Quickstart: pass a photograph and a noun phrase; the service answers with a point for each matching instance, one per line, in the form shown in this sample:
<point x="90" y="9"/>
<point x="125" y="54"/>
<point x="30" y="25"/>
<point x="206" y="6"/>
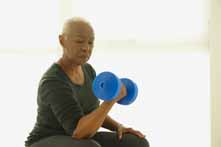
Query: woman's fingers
<point x="137" y="133"/>
<point x="122" y="130"/>
<point x="140" y="134"/>
<point x="120" y="133"/>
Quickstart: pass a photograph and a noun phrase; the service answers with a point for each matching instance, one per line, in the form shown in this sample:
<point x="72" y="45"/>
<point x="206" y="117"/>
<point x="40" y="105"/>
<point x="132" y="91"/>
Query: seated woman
<point x="69" y="115"/>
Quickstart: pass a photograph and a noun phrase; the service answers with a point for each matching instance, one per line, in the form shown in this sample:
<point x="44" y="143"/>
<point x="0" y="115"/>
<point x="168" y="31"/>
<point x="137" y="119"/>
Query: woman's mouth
<point x="84" y="56"/>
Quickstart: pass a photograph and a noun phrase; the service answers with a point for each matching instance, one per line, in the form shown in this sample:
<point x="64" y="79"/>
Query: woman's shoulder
<point x="53" y="75"/>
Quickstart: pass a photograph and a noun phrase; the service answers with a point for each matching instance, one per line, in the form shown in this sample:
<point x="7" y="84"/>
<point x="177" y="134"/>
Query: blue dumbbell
<point x="106" y="86"/>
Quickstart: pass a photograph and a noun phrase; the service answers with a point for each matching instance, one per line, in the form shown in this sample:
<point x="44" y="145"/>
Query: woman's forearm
<point x="110" y="124"/>
<point x="89" y="124"/>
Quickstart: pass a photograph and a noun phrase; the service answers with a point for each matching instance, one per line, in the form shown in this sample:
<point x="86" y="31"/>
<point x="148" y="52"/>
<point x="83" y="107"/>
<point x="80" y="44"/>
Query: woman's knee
<point x="133" y="140"/>
<point x="144" y="142"/>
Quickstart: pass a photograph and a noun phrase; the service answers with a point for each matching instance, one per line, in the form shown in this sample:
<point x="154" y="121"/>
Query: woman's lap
<point x="110" y="139"/>
<point x="65" y="141"/>
<point x="100" y="139"/>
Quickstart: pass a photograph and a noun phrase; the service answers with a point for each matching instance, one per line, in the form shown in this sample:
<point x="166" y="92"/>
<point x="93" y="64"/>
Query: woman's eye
<point x="79" y="41"/>
<point x="90" y="42"/>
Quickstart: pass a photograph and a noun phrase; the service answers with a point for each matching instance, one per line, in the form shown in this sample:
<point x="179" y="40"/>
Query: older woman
<point x="69" y="115"/>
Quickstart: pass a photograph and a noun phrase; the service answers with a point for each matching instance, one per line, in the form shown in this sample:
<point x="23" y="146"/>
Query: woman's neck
<point x="68" y="66"/>
<point x="74" y="72"/>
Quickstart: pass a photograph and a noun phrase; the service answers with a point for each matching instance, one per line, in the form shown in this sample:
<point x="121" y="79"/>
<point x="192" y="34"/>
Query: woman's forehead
<point x="81" y="30"/>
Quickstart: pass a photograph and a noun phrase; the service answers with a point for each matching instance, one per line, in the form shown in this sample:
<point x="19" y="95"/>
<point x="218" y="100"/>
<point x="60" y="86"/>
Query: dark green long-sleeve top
<point x="61" y="103"/>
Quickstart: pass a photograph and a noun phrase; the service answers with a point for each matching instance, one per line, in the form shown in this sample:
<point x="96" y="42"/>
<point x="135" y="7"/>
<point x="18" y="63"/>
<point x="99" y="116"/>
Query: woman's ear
<point x="61" y="40"/>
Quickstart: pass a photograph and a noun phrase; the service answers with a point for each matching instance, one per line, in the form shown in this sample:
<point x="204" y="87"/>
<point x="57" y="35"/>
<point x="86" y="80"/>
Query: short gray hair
<point x="69" y="22"/>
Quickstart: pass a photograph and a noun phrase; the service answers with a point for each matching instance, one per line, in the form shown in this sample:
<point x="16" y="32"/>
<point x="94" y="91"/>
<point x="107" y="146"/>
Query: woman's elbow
<point x="79" y="135"/>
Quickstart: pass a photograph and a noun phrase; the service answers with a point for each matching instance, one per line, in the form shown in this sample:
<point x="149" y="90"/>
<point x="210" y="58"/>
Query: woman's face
<point x="78" y="43"/>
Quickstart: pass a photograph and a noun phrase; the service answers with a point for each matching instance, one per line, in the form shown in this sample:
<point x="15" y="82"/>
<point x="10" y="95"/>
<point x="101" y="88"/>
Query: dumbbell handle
<point x="132" y="92"/>
<point x="122" y="94"/>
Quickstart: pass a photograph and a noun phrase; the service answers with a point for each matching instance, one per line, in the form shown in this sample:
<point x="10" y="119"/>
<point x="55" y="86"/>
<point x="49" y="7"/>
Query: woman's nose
<point x="86" y="47"/>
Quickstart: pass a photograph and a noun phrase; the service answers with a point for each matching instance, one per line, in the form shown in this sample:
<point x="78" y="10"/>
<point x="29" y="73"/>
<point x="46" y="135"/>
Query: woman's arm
<point x="89" y="124"/>
<point x="110" y="124"/>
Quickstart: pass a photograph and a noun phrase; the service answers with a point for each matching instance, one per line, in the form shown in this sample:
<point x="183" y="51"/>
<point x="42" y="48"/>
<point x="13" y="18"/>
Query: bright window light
<point x="29" y="24"/>
<point x="152" y="21"/>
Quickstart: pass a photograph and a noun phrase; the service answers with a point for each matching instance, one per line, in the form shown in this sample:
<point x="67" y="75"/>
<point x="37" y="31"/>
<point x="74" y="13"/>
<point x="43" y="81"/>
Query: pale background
<point x="169" y="48"/>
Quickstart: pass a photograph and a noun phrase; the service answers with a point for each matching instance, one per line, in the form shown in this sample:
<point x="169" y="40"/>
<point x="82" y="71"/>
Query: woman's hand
<point x="121" y="130"/>
<point x="123" y="93"/>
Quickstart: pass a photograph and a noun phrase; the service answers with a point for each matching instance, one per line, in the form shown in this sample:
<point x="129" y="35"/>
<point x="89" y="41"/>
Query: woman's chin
<point x="83" y="61"/>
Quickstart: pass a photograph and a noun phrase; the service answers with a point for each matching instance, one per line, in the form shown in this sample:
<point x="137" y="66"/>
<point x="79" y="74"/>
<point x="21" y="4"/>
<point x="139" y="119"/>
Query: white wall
<point x="215" y="51"/>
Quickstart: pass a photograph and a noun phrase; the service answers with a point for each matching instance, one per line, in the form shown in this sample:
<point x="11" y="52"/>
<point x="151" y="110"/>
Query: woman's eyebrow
<point x="82" y="37"/>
